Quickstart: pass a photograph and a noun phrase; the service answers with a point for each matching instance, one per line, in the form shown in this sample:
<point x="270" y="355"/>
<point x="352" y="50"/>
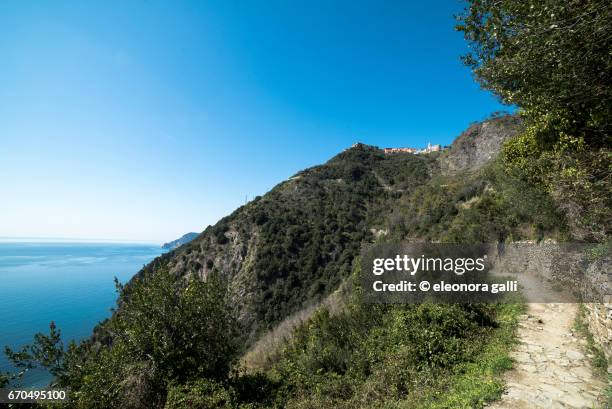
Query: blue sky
<point x="144" y="120"/>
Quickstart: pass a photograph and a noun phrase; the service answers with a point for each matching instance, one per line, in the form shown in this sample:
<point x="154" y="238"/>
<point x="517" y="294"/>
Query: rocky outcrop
<point x="478" y="144"/>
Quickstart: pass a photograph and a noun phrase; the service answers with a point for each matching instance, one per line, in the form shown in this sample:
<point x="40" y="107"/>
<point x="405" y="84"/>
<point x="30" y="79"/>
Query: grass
<point x="599" y="361"/>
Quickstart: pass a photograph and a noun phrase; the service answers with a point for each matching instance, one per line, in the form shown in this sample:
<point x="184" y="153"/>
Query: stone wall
<point x="568" y="267"/>
<point x="599" y="315"/>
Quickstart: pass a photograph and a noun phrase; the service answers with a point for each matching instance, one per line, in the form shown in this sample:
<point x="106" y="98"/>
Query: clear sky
<point x="144" y="120"/>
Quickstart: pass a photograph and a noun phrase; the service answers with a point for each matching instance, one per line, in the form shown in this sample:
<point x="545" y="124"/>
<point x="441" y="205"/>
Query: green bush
<point x="439" y="336"/>
<point x="185" y="328"/>
<point x="371" y="354"/>
<point x="164" y="332"/>
<point x="200" y="394"/>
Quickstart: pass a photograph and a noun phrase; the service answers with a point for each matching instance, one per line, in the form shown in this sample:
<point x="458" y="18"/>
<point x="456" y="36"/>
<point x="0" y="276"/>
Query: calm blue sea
<point x="69" y="283"/>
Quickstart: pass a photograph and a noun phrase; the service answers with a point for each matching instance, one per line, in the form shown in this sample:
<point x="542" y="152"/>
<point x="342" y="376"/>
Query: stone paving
<point x="551" y="367"/>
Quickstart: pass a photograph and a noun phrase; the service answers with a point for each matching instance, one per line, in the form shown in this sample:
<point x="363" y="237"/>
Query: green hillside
<point x="289" y="248"/>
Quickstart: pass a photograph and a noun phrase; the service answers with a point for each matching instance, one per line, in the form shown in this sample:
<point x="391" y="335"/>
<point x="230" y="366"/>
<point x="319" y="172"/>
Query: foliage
<point x="486" y="206"/>
<point x="363" y="356"/>
<point x="315" y="224"/>
<point x="185" y="330"/>
<point x="599" y="251"/>
<point x="47" y="351"/>
<point x="576" y="176"/>
<point x="479" y="381"/>
<point x="552" y="59"/>
<point x="296" y="244"/>
<point x="164" y="331"/>
<point x="173" y="338"/>
<point x="200" y="394"/>
<point x="549" y="57"/>
<point x="378" y="356"/>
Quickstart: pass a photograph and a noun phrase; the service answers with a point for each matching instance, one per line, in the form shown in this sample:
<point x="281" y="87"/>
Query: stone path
<point x="551" y="369"/>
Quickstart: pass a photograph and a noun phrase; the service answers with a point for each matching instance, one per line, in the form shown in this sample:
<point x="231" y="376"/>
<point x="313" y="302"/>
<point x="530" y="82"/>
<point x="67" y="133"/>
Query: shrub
<point x="200" y="394"/>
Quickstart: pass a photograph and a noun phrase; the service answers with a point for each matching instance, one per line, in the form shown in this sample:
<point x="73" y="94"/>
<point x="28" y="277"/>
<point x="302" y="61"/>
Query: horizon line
<point x="47" y="239"/>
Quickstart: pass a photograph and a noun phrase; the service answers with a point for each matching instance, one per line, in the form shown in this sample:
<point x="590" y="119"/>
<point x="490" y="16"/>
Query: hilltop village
<point x="430" y="148"/>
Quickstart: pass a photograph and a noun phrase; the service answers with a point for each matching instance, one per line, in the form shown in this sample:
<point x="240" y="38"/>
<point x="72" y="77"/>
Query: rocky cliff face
<point x="478" y="144"/>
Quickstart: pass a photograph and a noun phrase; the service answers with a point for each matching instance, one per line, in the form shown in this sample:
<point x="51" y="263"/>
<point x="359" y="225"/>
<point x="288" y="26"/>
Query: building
<point x="430" y="148"/>
<point x="398" y="150"/>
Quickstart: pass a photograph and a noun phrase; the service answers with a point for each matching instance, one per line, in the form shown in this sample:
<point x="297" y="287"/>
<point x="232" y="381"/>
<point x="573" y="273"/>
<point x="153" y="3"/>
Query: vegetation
<point x="599" y="360"/>
<point x="295" y="245"/>
<point x="173" y="340"/>
<point x="487" y="206"/>
<point x="552" y="59"/>
<point x="164" y="332"/>
<point x="321" y="235"/>
<point x="398" y="356"/>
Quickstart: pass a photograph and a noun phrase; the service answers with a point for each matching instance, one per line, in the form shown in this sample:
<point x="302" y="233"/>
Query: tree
<point x="549" y="57"/>
<point x="47" y="352"/>
<point x="552" y="58"/>
<point x="166" y="330"/>
<point x="186" y="328"/>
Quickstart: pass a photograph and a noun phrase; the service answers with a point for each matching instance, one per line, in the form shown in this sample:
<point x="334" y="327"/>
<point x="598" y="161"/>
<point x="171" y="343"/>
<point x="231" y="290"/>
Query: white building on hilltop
<point x="430" y="148"/>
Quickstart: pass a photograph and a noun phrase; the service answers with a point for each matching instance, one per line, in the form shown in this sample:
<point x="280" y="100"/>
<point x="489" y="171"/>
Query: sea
<point x="69" y="283"/>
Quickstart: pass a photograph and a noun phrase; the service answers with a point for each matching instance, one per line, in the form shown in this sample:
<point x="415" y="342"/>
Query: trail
<point x="552" y="369"/>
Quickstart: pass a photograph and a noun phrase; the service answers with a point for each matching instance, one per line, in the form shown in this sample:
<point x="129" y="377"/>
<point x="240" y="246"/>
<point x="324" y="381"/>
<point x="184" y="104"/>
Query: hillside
<point x="289" y="248"/>
<point x="297" y="242"/>
<point x="479" y="143"/>
<point x="183" y="322"/>
<point x="185" y="238"/>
